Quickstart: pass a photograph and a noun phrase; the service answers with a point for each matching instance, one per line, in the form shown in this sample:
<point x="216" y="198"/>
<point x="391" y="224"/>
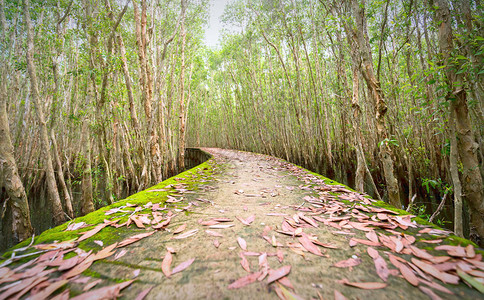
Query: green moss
<point x="109" y="234"/>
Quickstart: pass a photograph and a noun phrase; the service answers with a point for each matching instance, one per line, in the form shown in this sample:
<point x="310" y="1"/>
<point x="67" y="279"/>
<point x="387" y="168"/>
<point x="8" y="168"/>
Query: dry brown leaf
<point x="213" y="233"/>
<point x="107" y="292"/>
<point x="135" y="238"/>
<point x="186" y="234"/>
<point x="429" y="293"/>
<point x="308" y="245"/>
<point x="380" y="264"/>
<point x="242" y="243"/>
<point x="220" y="226"/>
<point x="143" y="294"/>
<point x="90" y="285"/>
<point x="429" y="269"/>
<point x="166" y="264"/>
<point x="180" y="228"/>
<point x="45" y="293"/>
<point x="182" y="266"/>
<point x="244" y="262"/>
<point x="69" y="263"/>
<point x="279" y="273"/>
<point x="348" y="263"/>
<point x="243" y="281"/>
<point x="90" y="233"/>
<point x="364" y="285"/>
<point x="406" y="272"/>
<point x="372" y="236"/>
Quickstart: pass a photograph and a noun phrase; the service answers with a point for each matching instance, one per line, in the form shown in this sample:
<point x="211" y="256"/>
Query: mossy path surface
<point x="249" y="226"/>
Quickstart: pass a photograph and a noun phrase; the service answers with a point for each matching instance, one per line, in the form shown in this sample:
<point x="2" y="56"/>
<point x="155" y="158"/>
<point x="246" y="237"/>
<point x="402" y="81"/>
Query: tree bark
<point x="87" y="205"/>
<point x="54" y="199"/>
<point x="466" y="145"/>
<point x="181" y="140"/>
<point x="10" y="179"/>
<point x="377" y="96"/>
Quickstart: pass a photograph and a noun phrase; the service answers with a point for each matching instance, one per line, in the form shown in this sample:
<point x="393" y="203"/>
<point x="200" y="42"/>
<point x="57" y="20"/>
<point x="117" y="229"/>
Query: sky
<point x="214" y="27"/>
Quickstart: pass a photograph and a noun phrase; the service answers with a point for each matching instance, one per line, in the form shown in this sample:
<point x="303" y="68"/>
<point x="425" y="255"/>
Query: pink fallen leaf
<point x="280" y="255"/>
<point x="186" y="234"/>
<point x="348" y="263"/>
<point x="284" y="293"/>
<point x="286" y="282"/>
<point x="166" y="264"/>
<point x="338" y="295"/>
<point x="364" y="242"/>
<point x="216" y="243"/>
<point x="92" y="232"/>
<point x="143" y="293"/>
<point x="380" y="264"/>
<point x="69" y="263"/>
<point x="45" y="293"/>
<point x="279" y="273"/>
<point x="135" y="238"/>
<point x="180" y="228"/>
<point x="430" y="293"/>
<point x="429" y="269"/>
<point x="213" y="233"/>
<point x="242" y="243"/>
<point x="90" y="285"/>
<point x="220" y="226"/>
<point x="247" y="221"/>
<point x="364" y="285"/>
<point x="244" y="263"/>
<point x="182" y="266"/>
<point x="308" y="245"/>
<point x="243" y="281"/>
<point x="108" y="292"/>
<point x="406" y="272"/>
<point x="120" y="254"/>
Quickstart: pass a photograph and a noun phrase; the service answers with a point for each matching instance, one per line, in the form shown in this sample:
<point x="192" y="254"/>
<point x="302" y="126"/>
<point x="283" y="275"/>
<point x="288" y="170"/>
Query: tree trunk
<point x="181" y="140"/>
<point x="454" y="171"/>
<point x="60" y="176"/>
<point x="466" y="145"/>
<point x="377" y="96"/>
<point x="87" y="205"/>
<point x="9" y="177"/>
<point x="54" y="199"/>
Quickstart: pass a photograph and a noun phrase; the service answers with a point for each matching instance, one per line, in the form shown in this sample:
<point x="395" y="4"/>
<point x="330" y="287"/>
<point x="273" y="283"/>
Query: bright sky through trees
<point x="215" y="25"/>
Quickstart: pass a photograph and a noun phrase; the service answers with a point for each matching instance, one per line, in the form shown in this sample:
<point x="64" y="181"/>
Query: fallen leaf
<point x="277" y="274"/>
<point x="338" y="295"/>
<point x="166" y="264"/>
<point x="136" y="273"/>
<point x="143" y="293"/>
<point x="242" y="243"/>
<point x="120" y="254"/>
<point x="308" y="245"/>
<point x="220" y="226"/>
<point x="244" y="262"/>
<point x="364" y="285"/>
<point x="470" y="252"/>
<point x="186" y="234"/>
<point x="372" y="236"/>
<point x="406" y="272"/>
<point x="180" y="228"/>
<point x="285" y="294"/>
<point x="90" y="233"/>
<point x="69" y="263"/>
<point x="364" y="242"/>
<point x="243" y="281"/>
<point x="431" y="270"/>
<point x="90" y="285"/>
<point x="280" y="255"/>
<point x="45" y="293"/>
<point x="247" y="221"/>
<point x="216" y="243"/>
<point x="135" y="238"/>
<point x="430" y="293"/>
<point x="213" y="233"/>
<point x="76" y="226"/>
<point x="348" y="263"/>
<point x="108" y="292"/>
<point x="285" y="281"/>
<point x="380" y="264"/>
<point x="182" y="266"/>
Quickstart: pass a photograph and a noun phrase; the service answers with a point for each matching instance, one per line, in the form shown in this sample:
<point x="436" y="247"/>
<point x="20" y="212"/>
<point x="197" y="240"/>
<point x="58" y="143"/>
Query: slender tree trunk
<point x="54" y="199"/>
<point x="181" y="141"/>
<point x="466" y="146"/>
<point x="9" y="177"/>
<point x="60" y="176"/>
<point x="454" y="171"/>
<point x="87" y="205"/>
<point x="377" y="96"/>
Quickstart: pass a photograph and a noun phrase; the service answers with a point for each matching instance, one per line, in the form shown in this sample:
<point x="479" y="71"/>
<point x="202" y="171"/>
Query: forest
<point x="100" y="98"/>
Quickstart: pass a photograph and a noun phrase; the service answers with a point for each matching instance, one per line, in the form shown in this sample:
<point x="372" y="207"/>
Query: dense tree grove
<point x="91" y="94"/>
<point x="383" y="95"/>
<point x="99" y="98"/>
